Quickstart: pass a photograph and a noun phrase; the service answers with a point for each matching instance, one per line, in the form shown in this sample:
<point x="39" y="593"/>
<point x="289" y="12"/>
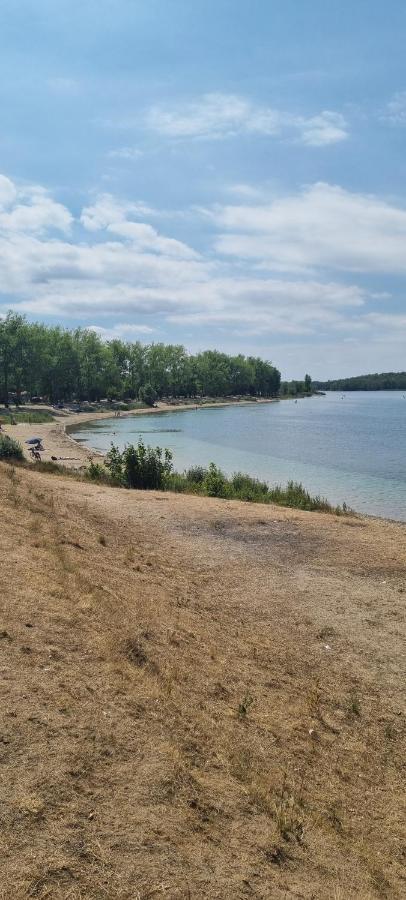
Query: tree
<point x="10" y="338"/>
<point x="59" y="364"/>
<point x="147" y="394"/>
<point x="308" y="384"/>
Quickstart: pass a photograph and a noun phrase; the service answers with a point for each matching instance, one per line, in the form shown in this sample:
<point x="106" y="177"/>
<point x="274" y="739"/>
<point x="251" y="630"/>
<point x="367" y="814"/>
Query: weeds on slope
<point x="147" y="468"/>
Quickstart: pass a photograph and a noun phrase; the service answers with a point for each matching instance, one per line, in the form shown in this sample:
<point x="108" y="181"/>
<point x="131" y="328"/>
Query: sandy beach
<point x="56" y="439"/>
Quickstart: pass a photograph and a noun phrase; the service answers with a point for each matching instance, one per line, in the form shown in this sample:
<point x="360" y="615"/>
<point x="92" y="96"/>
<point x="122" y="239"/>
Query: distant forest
<point x="385" y="381"/>
<point x="49" y="361"/>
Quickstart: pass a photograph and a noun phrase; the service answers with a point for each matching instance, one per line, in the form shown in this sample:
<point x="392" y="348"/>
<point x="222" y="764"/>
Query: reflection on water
<point x="350" y="448"/>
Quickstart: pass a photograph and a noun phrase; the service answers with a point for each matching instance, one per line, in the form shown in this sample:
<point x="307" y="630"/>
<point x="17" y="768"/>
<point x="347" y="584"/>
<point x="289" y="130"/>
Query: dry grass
<point x="204" y="704"/>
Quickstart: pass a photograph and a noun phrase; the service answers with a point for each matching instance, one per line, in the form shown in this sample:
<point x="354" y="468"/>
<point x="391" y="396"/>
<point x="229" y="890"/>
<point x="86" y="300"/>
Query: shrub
<point x="196" y="474"/>
<point x="212" y="482"/>
<point x="180" y="484"/>
<point x="140" y="467"/>
<point x="246" y="488"/>
<point x="99" y="473"/>
<point x="114" y="463"/>
<point x="9" y="448"/>
<point x="295" y="495"/>
<point x="215" y="482"/>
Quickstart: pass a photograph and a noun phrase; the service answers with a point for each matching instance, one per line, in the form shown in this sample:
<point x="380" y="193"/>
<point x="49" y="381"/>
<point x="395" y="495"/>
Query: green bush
<point x="215" y="483"/>
<point x="9" y="448"/>
<point x="196" y="474"/>
<point x="295" y="495"/>
<point x="97" y="472"/>
<point x="140" y="467"/>
<point x="244" y="487"/>
<point x="180" y="484"/>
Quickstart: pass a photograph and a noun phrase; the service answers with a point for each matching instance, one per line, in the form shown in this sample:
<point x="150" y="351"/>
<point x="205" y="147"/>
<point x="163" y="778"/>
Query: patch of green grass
<point x="26" y="417"/>
<point x="212" y="482"/>
<point x="9" y="448"/>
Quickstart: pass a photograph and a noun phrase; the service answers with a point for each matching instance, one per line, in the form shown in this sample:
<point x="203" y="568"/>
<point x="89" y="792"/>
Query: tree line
<point x="61" y="365"/>
<point x="384" y="381"/>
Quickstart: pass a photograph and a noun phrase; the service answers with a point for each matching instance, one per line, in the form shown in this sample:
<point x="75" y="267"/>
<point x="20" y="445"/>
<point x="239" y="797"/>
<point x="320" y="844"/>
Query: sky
<point x="217" y="173"/>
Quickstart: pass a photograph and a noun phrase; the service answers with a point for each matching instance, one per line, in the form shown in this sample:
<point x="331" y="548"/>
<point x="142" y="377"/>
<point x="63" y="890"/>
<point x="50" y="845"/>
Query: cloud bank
<point x="277" y="269"/>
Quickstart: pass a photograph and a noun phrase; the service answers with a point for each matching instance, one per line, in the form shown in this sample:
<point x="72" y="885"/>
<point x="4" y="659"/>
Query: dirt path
<point x="200" y="698"/>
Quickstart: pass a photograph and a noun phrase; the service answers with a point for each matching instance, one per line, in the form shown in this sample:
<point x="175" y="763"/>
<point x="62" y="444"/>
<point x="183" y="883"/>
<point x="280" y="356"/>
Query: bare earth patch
<point x="200" y="698"/>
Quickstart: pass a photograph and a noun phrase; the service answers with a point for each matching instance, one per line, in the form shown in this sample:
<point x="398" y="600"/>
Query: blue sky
<point x="219" y="174"/>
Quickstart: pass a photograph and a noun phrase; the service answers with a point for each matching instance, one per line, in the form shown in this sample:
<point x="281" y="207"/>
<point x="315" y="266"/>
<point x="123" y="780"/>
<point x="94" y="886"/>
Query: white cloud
<point x="30" y="209"/>
<point x="145" y="280"/>
<point x="127" y="153"/>
<point x="121" y="330"/>
<point x="396" y="109"/>
<point x="108" y="213"/>
<point x="273" y="306"/>
<point x="392" y="321"/>
<point x="8" y="192"/>
<point x="323" y="226"/>
<point x="327" y="128"/>
<point x="107" y="209"/>
<point x="226" y="115"/>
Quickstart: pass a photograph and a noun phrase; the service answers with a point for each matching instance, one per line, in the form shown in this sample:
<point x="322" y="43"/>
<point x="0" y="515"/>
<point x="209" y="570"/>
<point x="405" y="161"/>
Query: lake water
<point x="350" y="448"/>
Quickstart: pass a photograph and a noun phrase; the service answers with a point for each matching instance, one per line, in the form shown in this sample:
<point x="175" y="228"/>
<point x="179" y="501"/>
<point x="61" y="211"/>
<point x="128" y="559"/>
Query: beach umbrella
<point x="34" y="441"/>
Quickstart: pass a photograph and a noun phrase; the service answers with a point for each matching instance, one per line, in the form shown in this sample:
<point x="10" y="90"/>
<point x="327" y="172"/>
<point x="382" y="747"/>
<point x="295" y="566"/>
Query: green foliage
<point x="297" y="388"/>
<point x="9" y="448"/>
<point x="114" y="462"/>
<point x="215" y="483"/>
<point x="149" y="468"/>
<point x="56" y="364"/>
<point x="212" y="482"/>
<point x="196" y="474"/>
<point x="246" y="488"/>
<point x="308" y="384"/>
<point x="37" y="417"/>
<point x="140" y="467"/>
<point x="385" y="381"/>
<point x="295" y="495"/>
<point x="148" y="394"/>
<point x="97" y="472"/>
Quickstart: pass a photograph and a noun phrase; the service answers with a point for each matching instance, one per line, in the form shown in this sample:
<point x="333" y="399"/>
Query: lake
<point x="348" y="447"/>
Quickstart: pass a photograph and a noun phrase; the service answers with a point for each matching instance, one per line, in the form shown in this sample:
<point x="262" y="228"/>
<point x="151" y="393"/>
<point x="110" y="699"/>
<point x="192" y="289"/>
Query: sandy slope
<point x="200" y="698"/>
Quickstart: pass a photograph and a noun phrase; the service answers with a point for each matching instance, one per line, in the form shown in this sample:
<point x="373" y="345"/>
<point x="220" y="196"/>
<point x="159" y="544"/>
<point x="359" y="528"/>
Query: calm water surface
<point x="350" y="448"/>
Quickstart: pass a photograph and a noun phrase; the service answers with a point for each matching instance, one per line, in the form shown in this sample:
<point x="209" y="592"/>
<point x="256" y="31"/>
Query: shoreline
<point x="60" y="447"/>
<point x="59" y="443"/>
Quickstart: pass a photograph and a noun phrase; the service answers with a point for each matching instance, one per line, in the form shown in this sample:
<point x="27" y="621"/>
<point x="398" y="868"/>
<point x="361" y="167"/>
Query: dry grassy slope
<point x="133" y="629"/>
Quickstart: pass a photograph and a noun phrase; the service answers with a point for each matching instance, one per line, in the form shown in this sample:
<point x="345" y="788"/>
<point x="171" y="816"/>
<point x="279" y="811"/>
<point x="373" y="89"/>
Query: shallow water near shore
<point x="349" y="448"/>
